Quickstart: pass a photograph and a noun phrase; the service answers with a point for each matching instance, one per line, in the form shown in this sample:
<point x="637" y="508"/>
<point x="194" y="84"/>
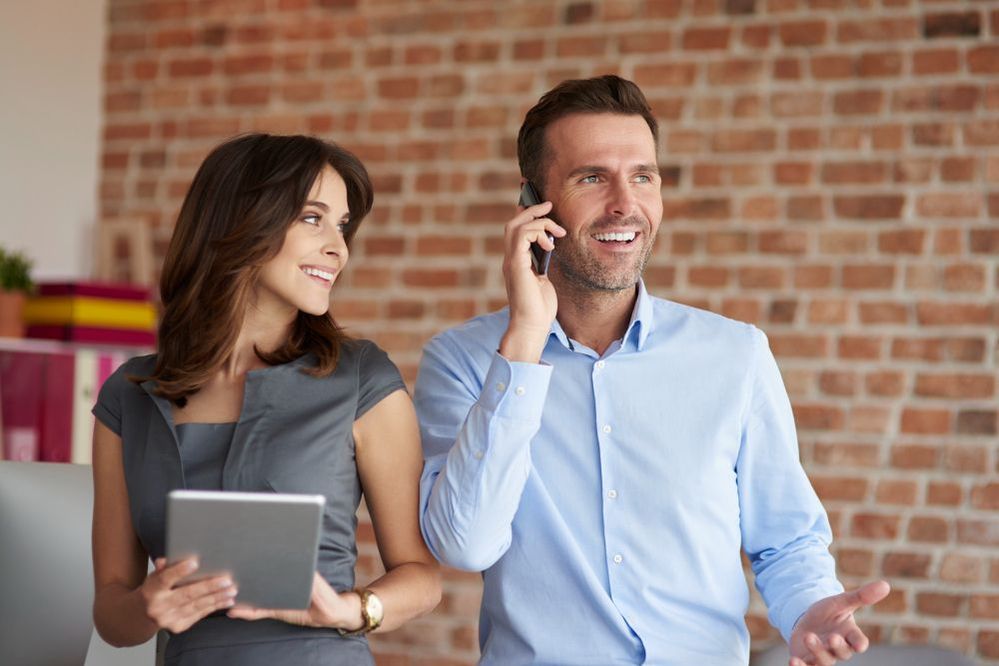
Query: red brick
<point x="883" y="312"/>
<point x="955" y="385"/>
<point x="988" y="643"/>
<point x="855" y="562"/>
<point x="952" y="24"/>
<point x="877" y="30"/>
<point x="868" y="207"/>
<point x="936" y="61"/>
<point x="896" y="492"/>
<point x="818" y="417"/>
<point x="879" y="64"/>
<point x="885" y="383"/>
<point x="940" y="604"/>
<point x="943" y="493"/>
<point x="985" y="606"/>
<point x="956" y="314"/>
<point x="957" y="567"/>
<point x="844" y="242"/>
<point x="868" y="277"/>
<point x="828" y="311"/>
<point x="906" y="565"/>
<point x="813" y="277"/>
<point x="981" y="133"/>
<point x="803" y="33"/>
<point x="832" y="67"/>
<point x="984" y="241"/>
<point x="902" y="241"/>
<point x="859" y="347"/>
<point x="930" y="529"/>
<point x="732" y="141"/>
<point x="701" y="39"/>
<point x="854" y="172"/>
<point x="858" y="102"/>
<point x="979" y="532"/>
<point x="832" y="488"/>
<point x="874" y="526"/>
<point x="977" y="422"/>
<point x="844" y="454"/>
<point x="925" y="421"/>
<point x="949" y="205"/>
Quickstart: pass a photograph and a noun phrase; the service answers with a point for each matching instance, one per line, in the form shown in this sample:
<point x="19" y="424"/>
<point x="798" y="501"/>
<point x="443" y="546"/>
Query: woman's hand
<point x="176" y="607"/>
<point x="326" y="609"/>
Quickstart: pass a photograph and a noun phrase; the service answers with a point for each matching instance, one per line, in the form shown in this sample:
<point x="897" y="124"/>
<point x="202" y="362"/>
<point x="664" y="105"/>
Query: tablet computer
<point x="267" y="542"/>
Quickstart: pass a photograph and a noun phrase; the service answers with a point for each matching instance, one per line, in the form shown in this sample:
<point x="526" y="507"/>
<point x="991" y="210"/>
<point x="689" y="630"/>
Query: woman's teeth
<point x="318" y="273"/>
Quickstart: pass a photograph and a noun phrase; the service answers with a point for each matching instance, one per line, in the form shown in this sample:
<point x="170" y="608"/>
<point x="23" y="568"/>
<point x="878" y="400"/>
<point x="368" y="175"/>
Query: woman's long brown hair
<point x="246" y="194"/>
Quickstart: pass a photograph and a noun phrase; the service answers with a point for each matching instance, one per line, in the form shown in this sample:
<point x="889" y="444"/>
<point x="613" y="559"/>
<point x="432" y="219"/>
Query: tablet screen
<point x="267" y="542"/>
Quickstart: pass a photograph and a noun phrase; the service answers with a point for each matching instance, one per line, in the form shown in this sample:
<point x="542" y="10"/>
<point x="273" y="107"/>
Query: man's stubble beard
<point x="583" y="270"/>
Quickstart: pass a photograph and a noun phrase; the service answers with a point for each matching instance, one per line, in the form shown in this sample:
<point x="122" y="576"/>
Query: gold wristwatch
<point x="372" y="613"/>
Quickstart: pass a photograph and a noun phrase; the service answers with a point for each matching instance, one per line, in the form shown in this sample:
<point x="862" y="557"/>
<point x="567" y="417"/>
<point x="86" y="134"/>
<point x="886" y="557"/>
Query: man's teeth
<point x="318" y="273"/>
<point x="623" y="236"/>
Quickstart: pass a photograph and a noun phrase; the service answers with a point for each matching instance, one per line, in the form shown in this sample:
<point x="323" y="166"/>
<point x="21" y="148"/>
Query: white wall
<point x="51" y="62"/>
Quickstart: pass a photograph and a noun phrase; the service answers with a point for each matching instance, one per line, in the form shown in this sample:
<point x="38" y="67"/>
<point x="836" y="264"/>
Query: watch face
<point x="375" y="609"/>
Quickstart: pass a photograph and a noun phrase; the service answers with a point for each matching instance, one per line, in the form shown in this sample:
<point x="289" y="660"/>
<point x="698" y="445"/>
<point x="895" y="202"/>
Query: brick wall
<point x="831" y="173"/>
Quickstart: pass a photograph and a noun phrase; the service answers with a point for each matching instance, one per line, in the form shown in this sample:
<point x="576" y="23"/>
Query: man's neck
<point x="595" y="318"/>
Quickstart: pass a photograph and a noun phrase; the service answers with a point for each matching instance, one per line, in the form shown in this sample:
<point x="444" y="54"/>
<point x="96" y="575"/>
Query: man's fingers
<point x="819" y="652"/>
<point x="839" y="648"/>
<point x="857" y="640"/>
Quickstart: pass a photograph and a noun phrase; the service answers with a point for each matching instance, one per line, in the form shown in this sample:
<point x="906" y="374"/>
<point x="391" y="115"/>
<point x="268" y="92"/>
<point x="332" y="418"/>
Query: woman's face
<point x="314" y="252"/>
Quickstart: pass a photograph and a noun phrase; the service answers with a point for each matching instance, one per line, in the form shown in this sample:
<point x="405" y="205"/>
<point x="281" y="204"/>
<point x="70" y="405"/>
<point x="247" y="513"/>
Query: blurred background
<point x="830" y="170"/>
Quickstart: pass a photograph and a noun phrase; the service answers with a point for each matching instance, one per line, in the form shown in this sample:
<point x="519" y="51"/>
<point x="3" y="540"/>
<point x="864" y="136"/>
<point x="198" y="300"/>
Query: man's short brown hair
<point x="601" y="94"/>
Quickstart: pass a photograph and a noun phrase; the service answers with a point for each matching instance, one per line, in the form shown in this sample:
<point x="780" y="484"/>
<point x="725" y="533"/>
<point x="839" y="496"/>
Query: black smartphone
<point x="540" y="257"/>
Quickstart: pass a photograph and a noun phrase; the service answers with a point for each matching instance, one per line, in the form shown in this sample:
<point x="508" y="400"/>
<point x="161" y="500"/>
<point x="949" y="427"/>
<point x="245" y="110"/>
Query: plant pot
<point x="11" y="314"/>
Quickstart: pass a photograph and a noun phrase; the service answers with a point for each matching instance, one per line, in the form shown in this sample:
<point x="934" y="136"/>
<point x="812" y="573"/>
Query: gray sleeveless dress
<point x="294" y="434"/>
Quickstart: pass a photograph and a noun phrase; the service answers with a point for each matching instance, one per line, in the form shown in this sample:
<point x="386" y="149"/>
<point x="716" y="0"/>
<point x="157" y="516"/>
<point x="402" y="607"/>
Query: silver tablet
<point x="267" y="542"/>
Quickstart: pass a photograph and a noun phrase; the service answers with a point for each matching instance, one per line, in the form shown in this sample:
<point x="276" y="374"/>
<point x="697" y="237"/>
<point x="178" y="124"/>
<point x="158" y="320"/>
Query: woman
<point x="255" y="388"/>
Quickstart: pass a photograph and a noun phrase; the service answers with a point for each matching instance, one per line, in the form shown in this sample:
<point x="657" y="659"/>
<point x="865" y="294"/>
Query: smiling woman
<point x="255" y="388"/>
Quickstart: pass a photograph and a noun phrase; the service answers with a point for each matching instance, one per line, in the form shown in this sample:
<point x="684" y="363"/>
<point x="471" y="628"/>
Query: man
<point x="602" y="455"/>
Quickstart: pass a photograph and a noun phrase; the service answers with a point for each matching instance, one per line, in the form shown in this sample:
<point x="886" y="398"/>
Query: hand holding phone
<point x="540" y="257"/>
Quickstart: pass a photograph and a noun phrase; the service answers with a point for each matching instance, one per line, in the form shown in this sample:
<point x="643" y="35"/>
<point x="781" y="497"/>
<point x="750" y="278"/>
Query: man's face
<point x="604" y="183"/>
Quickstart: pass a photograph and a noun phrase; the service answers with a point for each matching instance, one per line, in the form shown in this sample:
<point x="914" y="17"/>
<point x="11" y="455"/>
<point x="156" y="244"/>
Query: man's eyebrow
<point x="593" y="168"/>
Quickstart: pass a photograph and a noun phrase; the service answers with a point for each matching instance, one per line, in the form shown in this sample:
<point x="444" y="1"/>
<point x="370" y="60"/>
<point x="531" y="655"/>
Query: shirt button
<point x="478" y="455"/>
<point x="520" y="390"/>
<point x="606" y="429"/>
<point x="618" y="559"/>
<point x="501" y="387"/>
<point x="612" y="494"/>
<point x="599" y="365"/>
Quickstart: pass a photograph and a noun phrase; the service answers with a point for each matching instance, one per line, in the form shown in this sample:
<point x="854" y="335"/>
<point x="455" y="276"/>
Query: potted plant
<point x="15" y="285"/>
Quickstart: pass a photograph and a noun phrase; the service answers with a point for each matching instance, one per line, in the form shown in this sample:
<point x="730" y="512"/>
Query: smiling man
<point x="602" y="455"/>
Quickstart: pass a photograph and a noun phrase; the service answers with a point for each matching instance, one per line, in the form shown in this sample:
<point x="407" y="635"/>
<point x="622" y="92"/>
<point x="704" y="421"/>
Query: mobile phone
<point x="540" y="257"/>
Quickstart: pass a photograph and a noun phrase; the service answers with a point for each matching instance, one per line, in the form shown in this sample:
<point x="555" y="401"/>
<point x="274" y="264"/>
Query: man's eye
<point x="589" y="179"/>
<point x="643" y="178"/>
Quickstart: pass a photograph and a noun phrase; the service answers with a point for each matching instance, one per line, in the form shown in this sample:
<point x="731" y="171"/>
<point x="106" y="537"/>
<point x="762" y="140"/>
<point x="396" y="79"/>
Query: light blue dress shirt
<point x="606" y="498"/>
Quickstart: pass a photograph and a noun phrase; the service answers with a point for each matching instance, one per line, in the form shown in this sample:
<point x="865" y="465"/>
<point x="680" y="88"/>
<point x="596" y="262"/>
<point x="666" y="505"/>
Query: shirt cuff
<point x="800" y="605"/>
<point x="515" y="390"/>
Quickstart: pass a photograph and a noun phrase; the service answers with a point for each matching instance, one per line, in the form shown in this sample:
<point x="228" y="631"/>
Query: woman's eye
<point x="311" y="219"/>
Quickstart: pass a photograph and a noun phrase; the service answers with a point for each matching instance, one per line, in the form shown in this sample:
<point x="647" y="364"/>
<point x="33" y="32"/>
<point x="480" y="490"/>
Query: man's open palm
<point x="827" y="631"/>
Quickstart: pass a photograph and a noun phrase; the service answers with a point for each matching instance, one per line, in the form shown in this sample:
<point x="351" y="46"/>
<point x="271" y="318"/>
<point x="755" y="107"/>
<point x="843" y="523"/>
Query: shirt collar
<point x="639" y="326"/>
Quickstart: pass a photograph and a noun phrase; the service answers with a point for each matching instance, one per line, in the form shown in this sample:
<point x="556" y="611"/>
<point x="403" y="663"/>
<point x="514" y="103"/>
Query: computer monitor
<point x="46" y="580"/>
